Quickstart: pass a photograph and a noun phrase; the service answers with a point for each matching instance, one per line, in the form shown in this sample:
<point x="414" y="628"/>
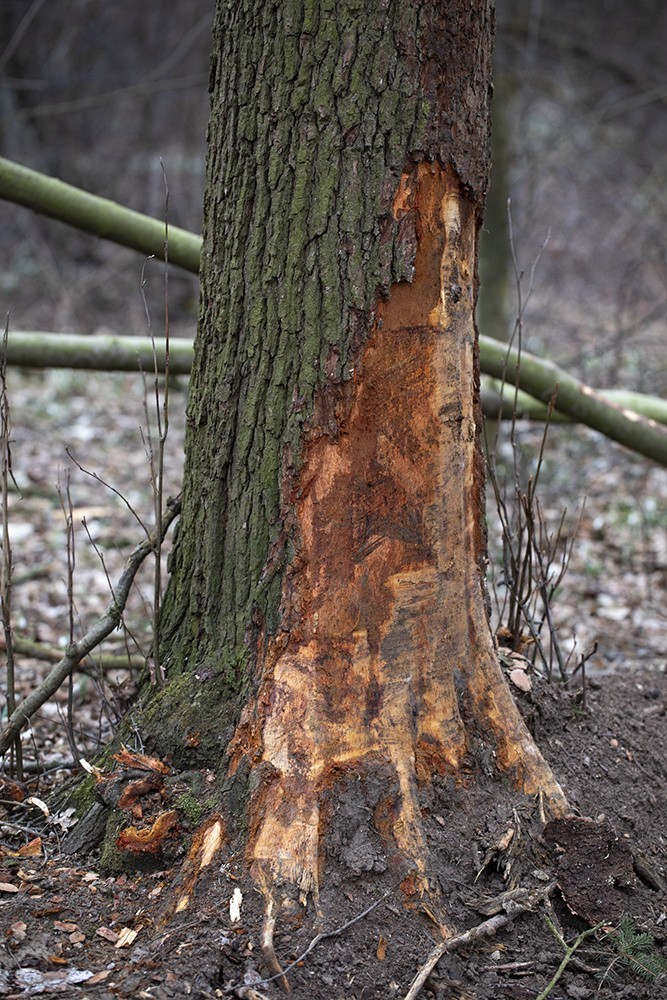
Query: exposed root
<point x="268" y="951"/>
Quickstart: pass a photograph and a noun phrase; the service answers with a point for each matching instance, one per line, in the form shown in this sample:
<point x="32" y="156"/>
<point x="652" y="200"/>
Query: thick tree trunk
<point x="326" y="614"/>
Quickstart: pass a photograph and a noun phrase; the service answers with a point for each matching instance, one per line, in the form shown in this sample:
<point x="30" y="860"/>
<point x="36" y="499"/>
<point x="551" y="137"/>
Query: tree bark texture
<point x="326" y="617"/>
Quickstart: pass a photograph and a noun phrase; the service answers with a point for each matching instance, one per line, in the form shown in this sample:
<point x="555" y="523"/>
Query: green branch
<point x="540" y="379"/>
<point x="631" y="418"/>
<point x="505" y="401"/>
<point x="98" y="216"/>
<point x="106" y="353"/>
<point x="543" y="380"/>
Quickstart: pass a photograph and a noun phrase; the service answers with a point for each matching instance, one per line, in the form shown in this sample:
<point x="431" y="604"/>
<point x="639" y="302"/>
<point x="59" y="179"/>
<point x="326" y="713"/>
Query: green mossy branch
<point x="96" y="215"/>
<point x="628" y="417"/>
<point x="545" y="380"/>
<point x="618" y="418"/>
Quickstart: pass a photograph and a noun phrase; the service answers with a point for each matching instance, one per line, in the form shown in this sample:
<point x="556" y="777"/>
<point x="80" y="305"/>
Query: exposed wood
<point x="384" y="604"/>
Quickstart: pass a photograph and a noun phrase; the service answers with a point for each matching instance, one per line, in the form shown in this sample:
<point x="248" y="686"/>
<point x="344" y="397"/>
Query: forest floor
<point x="70" y="927"/>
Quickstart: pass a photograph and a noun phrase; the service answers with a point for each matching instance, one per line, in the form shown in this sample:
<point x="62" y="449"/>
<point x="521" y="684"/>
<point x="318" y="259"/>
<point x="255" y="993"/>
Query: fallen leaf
<point x="18" y="930"/>
<point x="39" y="803"/>
<point x="520" y="679"/>
<point x="107" y="934"/>
<point x="33" y="849"/>
<point x="381" y="952"/>
<point x="11" y="790"/>
<point x="126" y="937"/>
<point x="8" y="887"/>
<point x="99" y="977"/>
<point x="65" y="926"/>
<point x="77" y="937"/>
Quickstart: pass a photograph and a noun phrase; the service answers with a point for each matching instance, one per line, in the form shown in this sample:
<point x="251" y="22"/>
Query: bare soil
<point x="60" y="927"/>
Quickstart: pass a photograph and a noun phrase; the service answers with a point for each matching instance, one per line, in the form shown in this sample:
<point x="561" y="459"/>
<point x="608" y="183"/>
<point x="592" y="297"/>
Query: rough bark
<point x="326" y="614"/>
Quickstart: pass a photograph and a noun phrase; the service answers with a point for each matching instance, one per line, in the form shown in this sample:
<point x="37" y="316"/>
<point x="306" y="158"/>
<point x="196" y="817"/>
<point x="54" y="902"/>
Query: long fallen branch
<point x="99" y="216"/>
<point x="121" y="225"/>
<point x="51" y="654"/>
<point x="99" y="352"/>
<point x="633" y="419"/>
<point x="506" y="401"/>
<point x="76" y="651"/>
<point x="543" y="380"/>
<point x="513" y="909"/>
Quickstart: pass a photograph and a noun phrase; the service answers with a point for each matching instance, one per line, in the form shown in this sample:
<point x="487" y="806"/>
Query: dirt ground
<point x="71" y="929"/>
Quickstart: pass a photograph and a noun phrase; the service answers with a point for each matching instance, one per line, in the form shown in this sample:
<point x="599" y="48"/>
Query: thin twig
<point x="94" y="475"/>
<point x="76" y="651"/>
<point x="567" y="957"/>
<point x="322" y="937"/>
<point x="6" y="564"/>
<point x="487" y="928"/>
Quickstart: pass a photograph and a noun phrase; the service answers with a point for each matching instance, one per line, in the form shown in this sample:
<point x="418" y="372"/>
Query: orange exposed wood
<point x="383" y="607"/>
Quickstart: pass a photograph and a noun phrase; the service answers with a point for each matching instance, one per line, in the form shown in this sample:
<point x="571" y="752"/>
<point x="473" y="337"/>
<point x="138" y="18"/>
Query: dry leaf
<point x="65" y="926"/>
<point x="381" y="952"/>
<point x="107" y="934"/>
<point x="39" y="803"/>
<point x="33" y="849"/>
<point x="77" y="937"/>
<point x="520" y="679"/>
<point x="99" y="977"/>
<point x="8" y="887"/>
<point x="18" y="930"/>
<point x="126" y="937"/>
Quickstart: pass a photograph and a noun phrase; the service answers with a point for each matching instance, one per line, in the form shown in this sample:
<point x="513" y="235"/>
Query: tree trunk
<point x="325" y="622"/>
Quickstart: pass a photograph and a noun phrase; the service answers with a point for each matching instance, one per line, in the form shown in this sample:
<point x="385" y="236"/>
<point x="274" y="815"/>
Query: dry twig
<point x="487" y="928"/>
<point x="76" y="651"/>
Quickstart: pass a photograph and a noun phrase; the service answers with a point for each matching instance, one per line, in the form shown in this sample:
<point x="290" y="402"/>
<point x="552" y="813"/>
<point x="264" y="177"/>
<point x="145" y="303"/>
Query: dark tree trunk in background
<point x="325" y="621"/>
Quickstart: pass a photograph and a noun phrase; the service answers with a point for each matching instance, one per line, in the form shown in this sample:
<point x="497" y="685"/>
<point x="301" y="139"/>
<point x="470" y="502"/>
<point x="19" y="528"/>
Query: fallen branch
<point x="513" y="909"/>
<point x="76" y="651"/>
<point x="36" y="349"/>
<point x="51" y="654"/>
<point x="505" y="401"/>
<point x="543" y="380"/>
<point x="96" y="215"/>
<point x="567" y="957"/>
<point x="108" y="353"/>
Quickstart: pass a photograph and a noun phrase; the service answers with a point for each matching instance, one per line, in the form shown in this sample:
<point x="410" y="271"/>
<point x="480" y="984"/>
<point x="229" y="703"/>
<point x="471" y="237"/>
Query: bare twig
<point x="487" y="928"/>
<point x="567" y="957"/>
<point x="94" y="475"/>
<point x="76" y="651"/>
<point x="6" y="567"/>
<point x="322" y="937"/>
<point x="66" y="504"/>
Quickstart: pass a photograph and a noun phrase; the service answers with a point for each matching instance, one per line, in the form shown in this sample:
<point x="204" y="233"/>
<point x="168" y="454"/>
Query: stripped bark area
<point x="324" y="635"/>
<point x="383" y="604"/>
